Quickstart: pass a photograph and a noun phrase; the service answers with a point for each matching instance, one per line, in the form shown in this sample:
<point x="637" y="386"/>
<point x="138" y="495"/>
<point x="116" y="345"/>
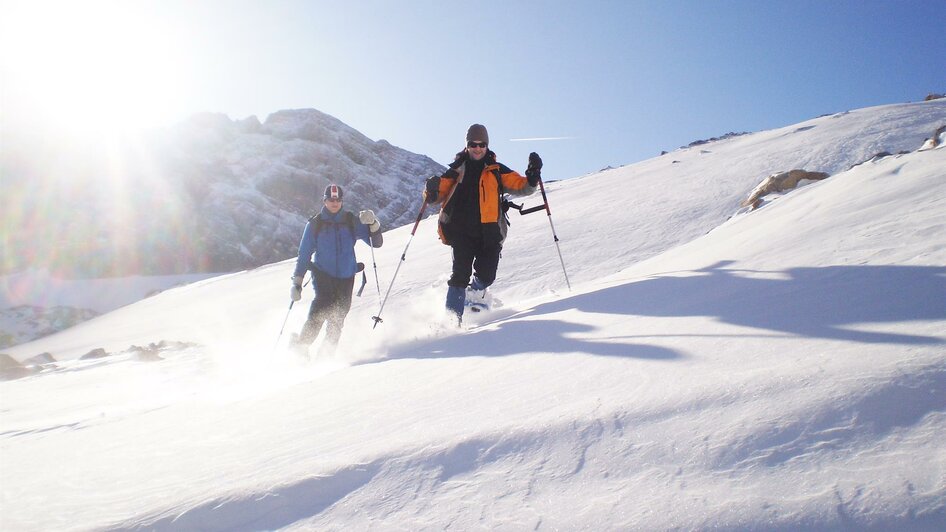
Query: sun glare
<point x="90" y="66"/>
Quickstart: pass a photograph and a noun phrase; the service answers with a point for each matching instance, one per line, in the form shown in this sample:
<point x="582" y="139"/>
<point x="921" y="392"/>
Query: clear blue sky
<point x="622" y="80"/>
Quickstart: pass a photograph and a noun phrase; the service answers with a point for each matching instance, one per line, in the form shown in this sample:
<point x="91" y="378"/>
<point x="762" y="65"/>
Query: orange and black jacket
<point x="495" y="180"/>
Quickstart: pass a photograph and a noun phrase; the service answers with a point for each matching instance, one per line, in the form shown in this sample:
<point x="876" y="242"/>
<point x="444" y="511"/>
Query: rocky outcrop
<point x="98" y="352"/>
<point x="939" y="136"/>
<point x="11" y="369"/>
<point x="780" y="182"/>
<point x="43" y="363"/>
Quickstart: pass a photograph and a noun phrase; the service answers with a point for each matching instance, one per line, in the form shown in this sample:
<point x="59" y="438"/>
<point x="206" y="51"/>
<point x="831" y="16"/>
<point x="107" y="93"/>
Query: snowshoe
<point x="297" y="347"/>
<point x="478" y="300"/>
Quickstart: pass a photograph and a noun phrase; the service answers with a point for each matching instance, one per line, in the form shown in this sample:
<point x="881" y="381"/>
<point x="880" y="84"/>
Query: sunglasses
<point x="472" y="144"/>
<point x="333" y="200"/>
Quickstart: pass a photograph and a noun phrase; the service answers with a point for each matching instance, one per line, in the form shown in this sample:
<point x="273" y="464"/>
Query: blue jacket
<point x="334" y="246"/>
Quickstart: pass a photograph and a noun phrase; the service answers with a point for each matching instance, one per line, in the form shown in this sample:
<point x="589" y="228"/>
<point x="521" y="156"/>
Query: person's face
<point x="333" y="205"/>
<point x="477" y="150"/>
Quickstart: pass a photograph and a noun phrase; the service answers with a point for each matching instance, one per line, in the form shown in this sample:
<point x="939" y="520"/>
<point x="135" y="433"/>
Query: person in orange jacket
<point x="471" y="219"/>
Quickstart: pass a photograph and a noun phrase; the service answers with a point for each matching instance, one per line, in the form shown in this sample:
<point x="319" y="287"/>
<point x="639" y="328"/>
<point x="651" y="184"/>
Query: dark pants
<point x="474" y="256"/>
<point x="330" y="306"/>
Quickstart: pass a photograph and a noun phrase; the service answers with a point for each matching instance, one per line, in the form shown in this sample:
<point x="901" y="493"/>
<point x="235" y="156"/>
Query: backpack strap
<point x="319" y="222"/>
<point x="499" y="180"/>
<point x="350" y="218"/>
<point x="503" y="202"/>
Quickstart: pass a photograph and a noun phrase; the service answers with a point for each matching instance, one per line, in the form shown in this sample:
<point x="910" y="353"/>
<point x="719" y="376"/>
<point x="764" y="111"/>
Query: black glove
<point x="534" y="171"/>
<point x="432" y="192"/>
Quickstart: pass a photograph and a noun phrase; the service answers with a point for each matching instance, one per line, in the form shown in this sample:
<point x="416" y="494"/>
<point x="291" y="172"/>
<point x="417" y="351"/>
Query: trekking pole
<point x="377" y="319"/>
<point x="281" y="329"/>
<point x="375" y="266"/>
<point x="548" y="211"/>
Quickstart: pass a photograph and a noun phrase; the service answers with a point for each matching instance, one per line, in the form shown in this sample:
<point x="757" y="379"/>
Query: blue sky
<point x="621" y="80"/>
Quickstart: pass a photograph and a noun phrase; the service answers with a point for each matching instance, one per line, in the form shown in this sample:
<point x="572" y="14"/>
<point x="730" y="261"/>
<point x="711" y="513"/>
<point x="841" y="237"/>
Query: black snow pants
<point x="473" y="255"/>
<point x="330" y="306"/>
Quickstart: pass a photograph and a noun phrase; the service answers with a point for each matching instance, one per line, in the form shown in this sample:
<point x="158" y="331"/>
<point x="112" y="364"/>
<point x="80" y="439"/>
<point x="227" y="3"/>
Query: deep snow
<point x="779" y="369"/>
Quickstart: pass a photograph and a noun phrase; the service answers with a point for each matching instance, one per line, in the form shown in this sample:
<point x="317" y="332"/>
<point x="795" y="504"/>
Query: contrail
<point x="532" y="139"/>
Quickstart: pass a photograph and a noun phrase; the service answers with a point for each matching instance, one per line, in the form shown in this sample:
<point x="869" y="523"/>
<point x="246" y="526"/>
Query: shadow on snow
<point x="821" y="302"/>
<point x="513" y="337"/>
<point x="818" y="302"/>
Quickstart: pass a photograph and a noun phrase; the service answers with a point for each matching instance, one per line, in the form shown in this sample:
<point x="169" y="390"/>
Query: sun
<point x="96" y="66"/>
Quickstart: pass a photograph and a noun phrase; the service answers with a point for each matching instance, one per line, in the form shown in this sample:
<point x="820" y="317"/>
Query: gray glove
<point x="295" y="293"/>
<point x="368" y="218"/>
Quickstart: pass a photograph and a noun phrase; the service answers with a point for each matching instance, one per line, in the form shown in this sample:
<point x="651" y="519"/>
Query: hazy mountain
<point x="209" y="194"/>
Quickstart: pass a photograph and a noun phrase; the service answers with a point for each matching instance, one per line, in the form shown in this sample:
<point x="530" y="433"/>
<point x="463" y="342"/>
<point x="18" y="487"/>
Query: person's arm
<point x="306" y="248"/>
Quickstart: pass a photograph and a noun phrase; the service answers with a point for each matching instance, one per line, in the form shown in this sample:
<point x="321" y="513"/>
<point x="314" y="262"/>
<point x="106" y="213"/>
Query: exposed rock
<point x="729" y="135"/>
<point x="250" y="124"/>
<point x="152" y="352"/>
<point x="780" y="182"/>
<point x="98" y="352"/>
<point x="146" y="354"/>
<point x="40" y="359"/>
<point x="10" y="369"/>
<point x="878" y="156"/>
<point x="939" y="136"/>
<point x="8" y="362"/>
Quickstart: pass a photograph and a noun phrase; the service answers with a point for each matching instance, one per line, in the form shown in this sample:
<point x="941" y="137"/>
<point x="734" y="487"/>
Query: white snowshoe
<point x="298" y="348"/>
<point x="478" y="300"/>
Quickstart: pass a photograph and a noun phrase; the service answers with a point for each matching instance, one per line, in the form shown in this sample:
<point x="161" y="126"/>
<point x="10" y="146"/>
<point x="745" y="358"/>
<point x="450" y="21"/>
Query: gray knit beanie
<point x="477" y="133"/>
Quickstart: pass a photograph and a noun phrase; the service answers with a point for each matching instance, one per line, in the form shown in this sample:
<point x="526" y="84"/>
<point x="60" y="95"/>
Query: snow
<point x="779" y="369"/>
<point x="40" y="288"/>
<point x="35" y="301"/>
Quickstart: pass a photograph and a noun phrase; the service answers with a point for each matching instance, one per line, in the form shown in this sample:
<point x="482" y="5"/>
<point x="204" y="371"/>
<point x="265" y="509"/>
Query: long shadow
<point x="833" y="302"/>
<point x="525" y="336"/>
<point x="808" y="302"/>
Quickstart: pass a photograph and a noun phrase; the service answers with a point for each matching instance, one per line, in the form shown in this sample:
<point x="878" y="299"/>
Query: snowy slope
<point x="784" y="370"/>
<point x="35" y="303"/>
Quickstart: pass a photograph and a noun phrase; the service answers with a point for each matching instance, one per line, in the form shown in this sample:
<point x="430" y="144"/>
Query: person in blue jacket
<point x="330" y="236"/>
